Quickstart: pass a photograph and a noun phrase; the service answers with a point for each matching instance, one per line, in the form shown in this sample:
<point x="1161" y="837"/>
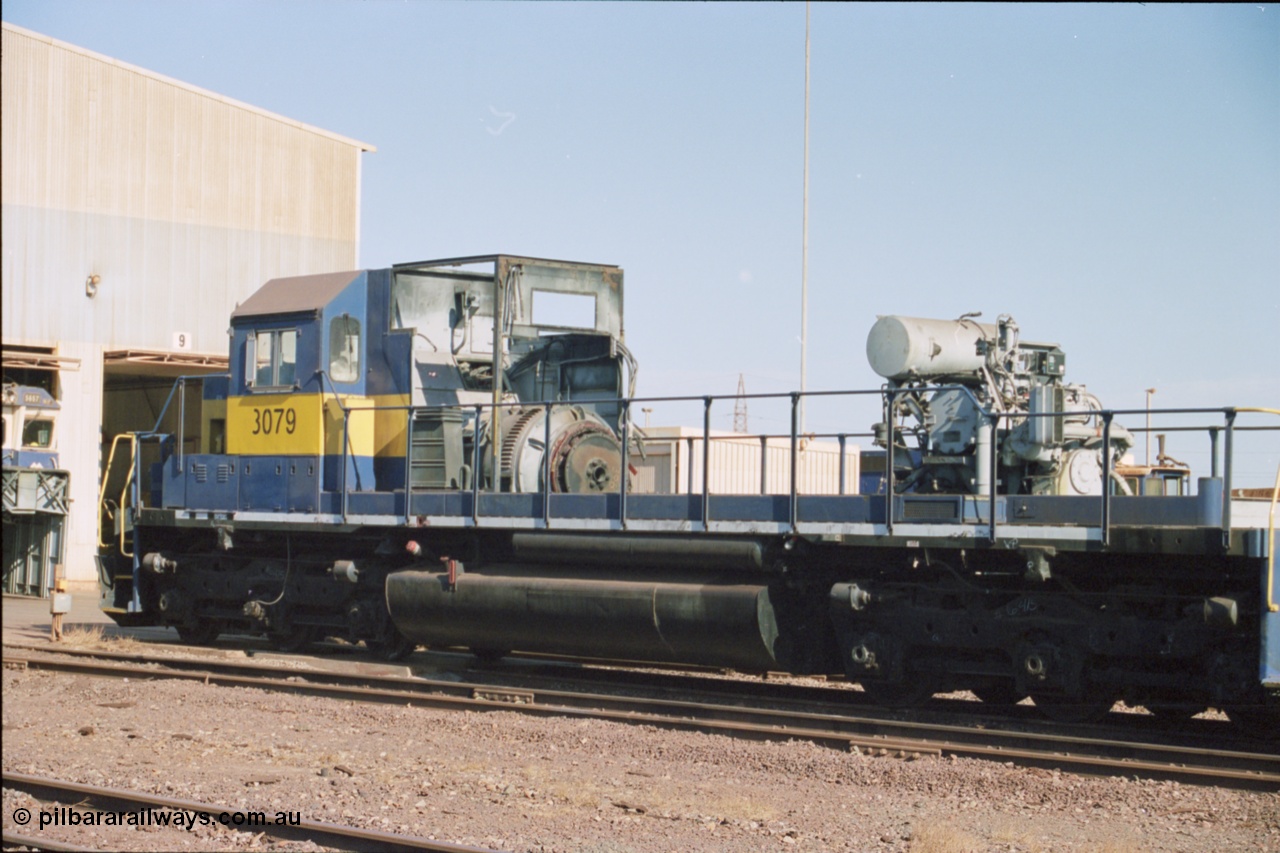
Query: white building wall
<point x="735" y="464"/>
<point x="78" y="451"/>
<point x="181" y="201"/>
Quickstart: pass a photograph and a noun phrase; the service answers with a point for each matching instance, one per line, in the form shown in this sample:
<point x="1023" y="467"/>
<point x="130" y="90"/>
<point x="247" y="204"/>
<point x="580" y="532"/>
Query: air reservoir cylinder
<point x="647" y="614"/>
<point x="901" y="348"/>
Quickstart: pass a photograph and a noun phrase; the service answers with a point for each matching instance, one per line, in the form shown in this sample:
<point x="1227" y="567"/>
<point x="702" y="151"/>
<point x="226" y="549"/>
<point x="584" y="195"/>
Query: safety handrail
<point x="346" y="436"/>
<point x="1105" y="416"/>
<point x="1272" y="605"/>
<point x="179" y="382"/>
<point x="889" y="394"/>
<point x="102" y="490"/>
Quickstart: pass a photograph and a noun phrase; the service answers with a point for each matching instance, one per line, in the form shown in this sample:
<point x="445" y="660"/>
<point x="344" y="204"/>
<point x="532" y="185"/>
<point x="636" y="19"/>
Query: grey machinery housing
<point x="945" y="372"/>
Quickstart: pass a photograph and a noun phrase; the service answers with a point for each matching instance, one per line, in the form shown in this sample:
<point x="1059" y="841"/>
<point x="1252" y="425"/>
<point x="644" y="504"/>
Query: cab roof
<point x="299" y="294"/>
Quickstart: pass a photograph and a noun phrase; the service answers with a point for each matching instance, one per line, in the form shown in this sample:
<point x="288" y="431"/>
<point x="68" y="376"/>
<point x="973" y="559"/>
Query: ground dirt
<point x="507" y="781"/>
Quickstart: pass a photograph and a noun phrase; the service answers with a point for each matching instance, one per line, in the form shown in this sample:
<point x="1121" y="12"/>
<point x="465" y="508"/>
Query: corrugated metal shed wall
<point x="183" y="202"/>
<point x="735" y="464"/>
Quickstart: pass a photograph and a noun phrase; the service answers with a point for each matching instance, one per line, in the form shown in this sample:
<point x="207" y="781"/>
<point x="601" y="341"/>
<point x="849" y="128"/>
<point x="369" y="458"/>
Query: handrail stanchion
<point x="476" y="473"/>
<point x="841" y="437"/>
<point x="689" y="445"/>
<point x="408" y="465"/>
<point x="124" y="508"/>
<point x="891" y="450"/>
<point x="546" y="465"/>
<point x="135" y="555"/>
<point x="1213" y="450"/>
<point x="1271" y="605"/>
<point x="1228" y="463"/>
<point x="346" y="418"/>
<point x="792" y="508"/>
<point x="164" y="410"/>
<point x="706" y="461"/>
<point x="102" y="490"/>
<point x="993" y="472"/>
<point x="764" y="464"/>
<point x="1106" y="478"/>
<point x="626" y="462"/>
<point x="182" y="418"/>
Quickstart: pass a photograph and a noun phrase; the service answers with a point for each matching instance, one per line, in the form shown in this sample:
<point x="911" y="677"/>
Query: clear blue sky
<point x="1107" y="174"/>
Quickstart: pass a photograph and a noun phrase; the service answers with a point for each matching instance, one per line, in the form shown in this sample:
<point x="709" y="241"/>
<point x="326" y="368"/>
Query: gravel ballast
<point x="514" y="782"/>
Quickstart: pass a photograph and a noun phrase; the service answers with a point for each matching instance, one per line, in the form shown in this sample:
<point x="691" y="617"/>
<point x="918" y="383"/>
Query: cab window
<point x="271" y="358"/>
<point x="344" y="349"/>
<point x="38" y="432"/>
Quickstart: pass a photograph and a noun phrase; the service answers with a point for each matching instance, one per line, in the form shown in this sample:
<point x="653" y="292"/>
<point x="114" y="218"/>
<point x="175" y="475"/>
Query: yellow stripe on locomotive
<point x="390" y="423"/>
<point x="312" y="425"/>
<point x="276" y="425"/>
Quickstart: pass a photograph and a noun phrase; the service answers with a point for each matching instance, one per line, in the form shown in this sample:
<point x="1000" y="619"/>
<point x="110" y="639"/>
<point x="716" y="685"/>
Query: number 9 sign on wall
<point x="182" y="341"/>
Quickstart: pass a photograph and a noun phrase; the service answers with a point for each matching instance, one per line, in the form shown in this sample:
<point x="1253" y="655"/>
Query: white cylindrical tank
<point x="903" y="347"/>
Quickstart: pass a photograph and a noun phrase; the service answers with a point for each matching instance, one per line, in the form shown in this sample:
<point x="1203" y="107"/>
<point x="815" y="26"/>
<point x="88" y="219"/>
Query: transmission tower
<point x="740" y="408"/>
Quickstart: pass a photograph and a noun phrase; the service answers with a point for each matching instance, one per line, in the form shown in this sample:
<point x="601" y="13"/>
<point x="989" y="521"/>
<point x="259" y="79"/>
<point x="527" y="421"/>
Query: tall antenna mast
<point x="740" y="408"/>
<point x="804" y="262"/>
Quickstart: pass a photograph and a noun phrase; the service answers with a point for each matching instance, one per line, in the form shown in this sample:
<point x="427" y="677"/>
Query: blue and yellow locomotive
<point x="36" y="491"/>
<point x="439" y="454"/>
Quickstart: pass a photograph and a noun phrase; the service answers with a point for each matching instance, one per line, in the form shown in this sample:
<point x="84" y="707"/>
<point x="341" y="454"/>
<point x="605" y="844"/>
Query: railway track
<point x="768" y="690"/>
<point x="673" y="678"/>
<point x="1082" y="753"/>
<point x="718" y="684"/>
<point x="55" y="791"/>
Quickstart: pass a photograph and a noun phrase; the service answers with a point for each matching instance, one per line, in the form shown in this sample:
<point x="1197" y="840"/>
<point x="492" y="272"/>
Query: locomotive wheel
<point x="1072" y="709"/>
<point x="398" y="647"/>
<point x="1174" y="712"/>
<point x="1260" y="721"/>
<point x="200" y="633"/>
<point x="490" y="655"/>
<point x="294" y="640"/>
<point x="898" y="694"/>
<point x="1002" y="693"/>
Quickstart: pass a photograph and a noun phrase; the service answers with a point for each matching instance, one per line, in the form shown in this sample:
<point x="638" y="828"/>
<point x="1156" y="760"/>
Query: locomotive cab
<point x="356" y="394"/>
<point x="421" y="377"/>
<point x="28" y="437"/>
<point x="297" y="362"/>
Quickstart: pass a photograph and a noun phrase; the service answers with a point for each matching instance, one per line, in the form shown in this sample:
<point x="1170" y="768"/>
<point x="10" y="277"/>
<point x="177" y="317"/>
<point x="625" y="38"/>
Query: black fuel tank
<point x="711" y="619"/>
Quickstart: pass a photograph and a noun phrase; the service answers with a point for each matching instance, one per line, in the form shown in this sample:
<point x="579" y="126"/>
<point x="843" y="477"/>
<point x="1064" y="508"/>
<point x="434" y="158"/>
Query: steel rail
<point x="1071" y="752"/>
<point x="546" y="673"/>
<point x="833" y="694"/>
<point x="325" y="834"/>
